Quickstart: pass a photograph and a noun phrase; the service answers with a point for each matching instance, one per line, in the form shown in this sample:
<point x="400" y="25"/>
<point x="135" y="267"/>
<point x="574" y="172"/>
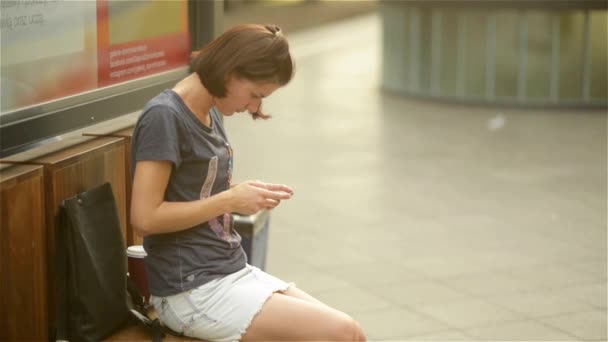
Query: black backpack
<point x="95" y="298"/>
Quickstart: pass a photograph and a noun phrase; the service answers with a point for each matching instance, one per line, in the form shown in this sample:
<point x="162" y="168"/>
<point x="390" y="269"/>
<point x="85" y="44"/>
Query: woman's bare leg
<point x="287" y="318"/>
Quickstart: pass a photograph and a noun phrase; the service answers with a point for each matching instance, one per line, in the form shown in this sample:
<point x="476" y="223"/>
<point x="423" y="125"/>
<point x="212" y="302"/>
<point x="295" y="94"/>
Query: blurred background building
<point x="501" y="52"/>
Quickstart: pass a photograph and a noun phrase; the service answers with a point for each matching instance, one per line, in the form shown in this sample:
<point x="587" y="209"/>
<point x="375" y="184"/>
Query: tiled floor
<point x="422" y="220"/>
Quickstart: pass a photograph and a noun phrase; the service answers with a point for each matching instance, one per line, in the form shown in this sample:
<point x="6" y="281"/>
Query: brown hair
<point x="258" y="53"/>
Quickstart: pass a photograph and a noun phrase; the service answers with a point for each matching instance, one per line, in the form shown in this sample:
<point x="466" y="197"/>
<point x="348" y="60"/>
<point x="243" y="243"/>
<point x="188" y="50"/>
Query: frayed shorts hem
<point x="222" y="309"/>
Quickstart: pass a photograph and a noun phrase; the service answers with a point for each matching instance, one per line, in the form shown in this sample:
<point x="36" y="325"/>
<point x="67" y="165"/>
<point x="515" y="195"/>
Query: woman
<point x="200" y="282"/>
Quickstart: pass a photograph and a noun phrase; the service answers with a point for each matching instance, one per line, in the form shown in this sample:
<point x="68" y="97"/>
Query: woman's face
<point x="244" y="95"/>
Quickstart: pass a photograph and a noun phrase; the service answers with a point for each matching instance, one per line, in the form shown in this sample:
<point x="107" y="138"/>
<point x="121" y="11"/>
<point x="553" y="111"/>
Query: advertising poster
<point x="48" y="50"/>
<point x="127" y="51"/>
<point x="52" y="49"/>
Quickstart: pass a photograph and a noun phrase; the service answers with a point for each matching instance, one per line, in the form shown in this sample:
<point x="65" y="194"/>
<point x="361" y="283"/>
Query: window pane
<point x="507" y="53"/>
<point x="599" y="46"/>
<point x="56" y="48"/>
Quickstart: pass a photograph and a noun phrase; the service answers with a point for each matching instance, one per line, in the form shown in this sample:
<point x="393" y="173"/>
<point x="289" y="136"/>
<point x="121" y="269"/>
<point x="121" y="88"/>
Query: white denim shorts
<point x="220" y="310"/>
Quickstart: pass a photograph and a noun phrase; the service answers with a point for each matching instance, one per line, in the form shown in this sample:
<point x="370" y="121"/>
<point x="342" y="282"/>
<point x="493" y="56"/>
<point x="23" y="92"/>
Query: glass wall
<point x="525" y="54"/>
<point x="53" y="49"/>
<point x="62" y="61"/>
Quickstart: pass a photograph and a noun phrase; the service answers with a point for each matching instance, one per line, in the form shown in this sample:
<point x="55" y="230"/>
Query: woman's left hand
<point x="272" y="187"/>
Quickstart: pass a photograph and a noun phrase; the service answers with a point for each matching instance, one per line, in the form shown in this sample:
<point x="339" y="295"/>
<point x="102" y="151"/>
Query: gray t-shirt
<point x="202" y="167"/>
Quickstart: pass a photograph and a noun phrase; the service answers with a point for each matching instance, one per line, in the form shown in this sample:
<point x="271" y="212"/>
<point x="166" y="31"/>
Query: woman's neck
<point x="196" y="97"/>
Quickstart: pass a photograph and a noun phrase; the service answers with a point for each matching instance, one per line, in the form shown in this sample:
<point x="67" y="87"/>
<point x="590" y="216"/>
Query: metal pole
<point x="523" y="55"/>
<point x="414" y="71"/>
<point x="555" y="35"/>
<point x="436" y="53"/>
<point x="462" y="55"/>
<point x="586" y="58"/>
<point x="491" y="57"/>
<point x="205" y="21"/>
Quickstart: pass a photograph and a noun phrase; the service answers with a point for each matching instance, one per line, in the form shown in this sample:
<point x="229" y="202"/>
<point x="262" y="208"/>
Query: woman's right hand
<point x="252" y="196"/>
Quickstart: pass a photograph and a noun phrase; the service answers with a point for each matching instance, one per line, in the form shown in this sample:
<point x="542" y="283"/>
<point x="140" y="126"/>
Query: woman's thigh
<point x="287" y="318"/>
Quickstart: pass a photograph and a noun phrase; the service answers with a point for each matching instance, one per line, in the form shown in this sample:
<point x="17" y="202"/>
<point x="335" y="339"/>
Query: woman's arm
<point x="150" y="214"/>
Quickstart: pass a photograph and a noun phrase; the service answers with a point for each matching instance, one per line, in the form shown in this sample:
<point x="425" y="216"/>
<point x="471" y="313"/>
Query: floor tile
<point x="594" y="267"/>
<point x="553" y="276"/>
<point x="352" y="300"/>
<point x="592" y="294"/>
<point x="469" y="313"/>
<point x="589" y="326"/>
<point x="419" y="293"/>
<point x="539" y="304"/>
<point x="373" y="274"/>
<point x="315" y="281"/>
<point x="328" y="257"/>
<point x="519" y="331"/>
<point x="441" y="266"/>
<point x="490" y="283"/>
<point x="285" y="264"/>
<point x="448" y="335"/>
<point x="392" y="323"/>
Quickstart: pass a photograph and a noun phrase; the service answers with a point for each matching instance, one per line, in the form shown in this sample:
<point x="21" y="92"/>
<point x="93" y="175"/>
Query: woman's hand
<point x="252" y="196"/>
<point x="151" y="214"/>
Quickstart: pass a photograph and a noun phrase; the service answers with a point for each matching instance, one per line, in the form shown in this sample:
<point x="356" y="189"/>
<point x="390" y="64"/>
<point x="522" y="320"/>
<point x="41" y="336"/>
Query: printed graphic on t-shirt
<point x="221" y="230"/>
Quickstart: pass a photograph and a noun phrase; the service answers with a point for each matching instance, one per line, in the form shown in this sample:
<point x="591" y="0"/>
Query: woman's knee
<point x="360" y="333"/>
<point x="347" y="329"/>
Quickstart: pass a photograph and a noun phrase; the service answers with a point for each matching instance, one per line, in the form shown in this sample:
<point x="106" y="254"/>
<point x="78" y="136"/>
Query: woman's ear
<point x="231" y="77"/>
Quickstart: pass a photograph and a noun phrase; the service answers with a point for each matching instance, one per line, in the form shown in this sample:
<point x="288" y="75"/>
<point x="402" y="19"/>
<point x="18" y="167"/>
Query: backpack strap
<point x="136" y="304"/>
<point x="136" y="297"/>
